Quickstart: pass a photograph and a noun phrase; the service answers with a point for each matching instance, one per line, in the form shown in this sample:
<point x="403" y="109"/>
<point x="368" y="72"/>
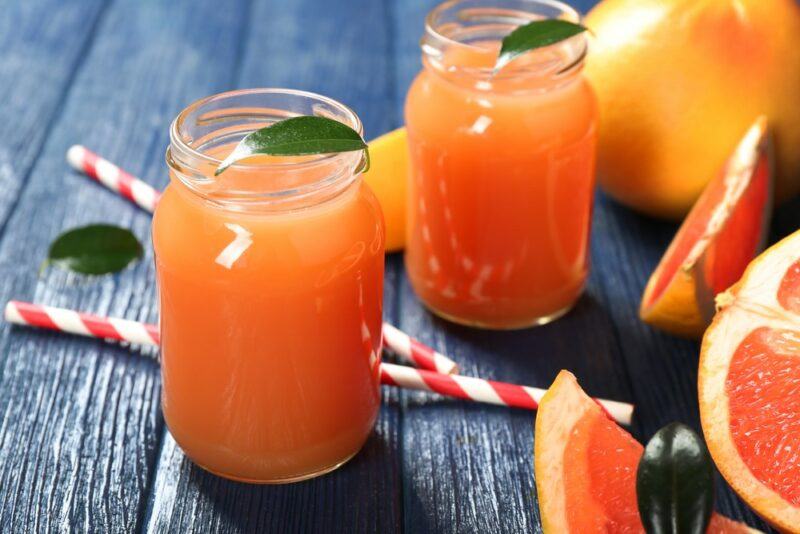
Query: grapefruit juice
<point x="502" y="177"/>
<point x="270" y="285"/>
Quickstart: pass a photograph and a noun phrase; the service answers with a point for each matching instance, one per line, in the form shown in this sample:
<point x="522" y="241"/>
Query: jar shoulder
<point x="434" y="95"/>
<point x="437" y="110"/>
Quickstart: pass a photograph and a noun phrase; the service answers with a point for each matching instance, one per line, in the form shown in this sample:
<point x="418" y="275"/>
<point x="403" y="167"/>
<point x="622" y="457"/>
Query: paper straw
<point x="486" y="391"/>
<point x="125" y="184"/>
<point x="463" y="387"/>
<point x="86" y="324"/>
<point x="416" y="352"/>
<point x="82" y="324"/>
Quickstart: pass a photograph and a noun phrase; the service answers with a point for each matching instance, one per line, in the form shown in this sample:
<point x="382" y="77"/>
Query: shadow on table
<point x="362" y="496"/>
<point x="582" y="341"/>
<point x="785" y="220"/>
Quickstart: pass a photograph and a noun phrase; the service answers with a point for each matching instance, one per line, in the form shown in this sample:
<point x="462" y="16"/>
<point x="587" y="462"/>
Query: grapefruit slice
<point x="749" y="385"/>
<point x="585" y="467"/>
<point x="724" y="231"/>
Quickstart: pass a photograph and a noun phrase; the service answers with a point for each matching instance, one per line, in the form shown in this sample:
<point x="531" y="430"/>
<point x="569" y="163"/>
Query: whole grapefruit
<point x="678" y="81"/>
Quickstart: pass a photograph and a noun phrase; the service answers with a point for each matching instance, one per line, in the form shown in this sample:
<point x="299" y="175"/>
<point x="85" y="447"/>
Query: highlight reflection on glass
<point x="235" y="248"/>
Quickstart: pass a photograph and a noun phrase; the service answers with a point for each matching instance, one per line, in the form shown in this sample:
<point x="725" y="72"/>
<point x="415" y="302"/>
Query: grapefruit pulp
<point x="585" y="467"/>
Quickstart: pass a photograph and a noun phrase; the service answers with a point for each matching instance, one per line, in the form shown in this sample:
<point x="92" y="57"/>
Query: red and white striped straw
<point x="137" y="191"/>
<point x="416" y="352"/>
<point x="82" y="324"/>
<point x="486" y="391"/>
<point x="462" y="387"/>
<point x="86" y="324"/>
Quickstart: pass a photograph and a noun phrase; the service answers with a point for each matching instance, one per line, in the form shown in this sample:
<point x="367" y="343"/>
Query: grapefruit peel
<point x="679" y="296"/>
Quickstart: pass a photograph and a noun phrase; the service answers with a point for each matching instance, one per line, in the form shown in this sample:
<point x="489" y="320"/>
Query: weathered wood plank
<point x="80" y="420"/>
<point x="41" y="48"/>
<point x="340" y="50"/>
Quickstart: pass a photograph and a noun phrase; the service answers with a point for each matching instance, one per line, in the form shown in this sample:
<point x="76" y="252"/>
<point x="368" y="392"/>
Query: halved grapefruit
<point x="585" y="467"/>
<point x="749" y="385"/>
<point x="724" y="231"/>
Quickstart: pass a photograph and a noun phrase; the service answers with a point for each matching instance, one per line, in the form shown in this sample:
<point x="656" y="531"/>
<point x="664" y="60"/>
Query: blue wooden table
<point x="82" y="441"/>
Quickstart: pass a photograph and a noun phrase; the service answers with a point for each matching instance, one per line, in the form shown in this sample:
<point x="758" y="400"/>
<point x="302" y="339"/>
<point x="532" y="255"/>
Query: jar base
<point x="277" y="481"/>
<point x="528" y="323"/>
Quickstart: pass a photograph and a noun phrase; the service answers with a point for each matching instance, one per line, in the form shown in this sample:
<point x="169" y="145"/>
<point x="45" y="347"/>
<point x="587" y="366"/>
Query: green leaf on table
<point x="95" y="249"/>
<point x="536" y="34"/>
<point x="675" y="482"/>
<point x="297" y="136"/>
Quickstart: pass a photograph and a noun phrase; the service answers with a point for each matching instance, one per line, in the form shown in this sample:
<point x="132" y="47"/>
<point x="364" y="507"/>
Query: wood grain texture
<point x="42" y="48"/>
<point x="82" y="442"/>
<point x="80" y="420"/>
<point x="340" y="50"/>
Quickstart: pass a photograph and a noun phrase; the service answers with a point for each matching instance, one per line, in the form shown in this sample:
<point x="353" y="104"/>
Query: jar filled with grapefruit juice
<point x="270" y="281"/>
<point x="502" y="168"/>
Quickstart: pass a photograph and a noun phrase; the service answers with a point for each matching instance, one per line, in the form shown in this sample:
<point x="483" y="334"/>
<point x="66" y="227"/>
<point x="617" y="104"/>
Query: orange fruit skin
<point x="388" y="178"/>
<point x="678" y="81"/>
<point x="577" y="449"/>
<point x="751" y="304"/>
<point x="678" y="310"/>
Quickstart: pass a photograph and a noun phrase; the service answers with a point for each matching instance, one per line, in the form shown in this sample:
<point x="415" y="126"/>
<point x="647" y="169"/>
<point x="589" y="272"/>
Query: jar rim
<point x="435" y="39"/>
<point x="225" y="118"/>
<point x="178" y="140"/>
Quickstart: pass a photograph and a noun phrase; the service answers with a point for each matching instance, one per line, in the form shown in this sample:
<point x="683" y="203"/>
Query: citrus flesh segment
<point x="749" y="385"/>
<point x="585" y="466"/>
<point x="763" y="385"/>
<point x="723" y="232"/>
<point x="610" y="476"/>
<point x="387" y="177"/>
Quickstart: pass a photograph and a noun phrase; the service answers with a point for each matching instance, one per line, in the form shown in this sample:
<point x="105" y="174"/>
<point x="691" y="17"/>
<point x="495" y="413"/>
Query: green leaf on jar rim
<point x="94" y="249"/>
<point x="536" y="34"/>
<point x="296" y="136"/>
<point x="675" y="482"/>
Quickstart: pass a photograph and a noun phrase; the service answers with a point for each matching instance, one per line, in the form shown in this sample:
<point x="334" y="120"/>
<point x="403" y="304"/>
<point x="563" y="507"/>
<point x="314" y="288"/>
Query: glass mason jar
<point x="502" y="167"/>
<point x="270" y="281"/>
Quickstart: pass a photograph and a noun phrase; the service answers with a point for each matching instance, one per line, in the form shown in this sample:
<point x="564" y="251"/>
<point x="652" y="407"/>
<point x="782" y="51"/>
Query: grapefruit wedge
<point x="724" y="231"/>
<point x="749" y="385"/>
<point x="585" y="467"/>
